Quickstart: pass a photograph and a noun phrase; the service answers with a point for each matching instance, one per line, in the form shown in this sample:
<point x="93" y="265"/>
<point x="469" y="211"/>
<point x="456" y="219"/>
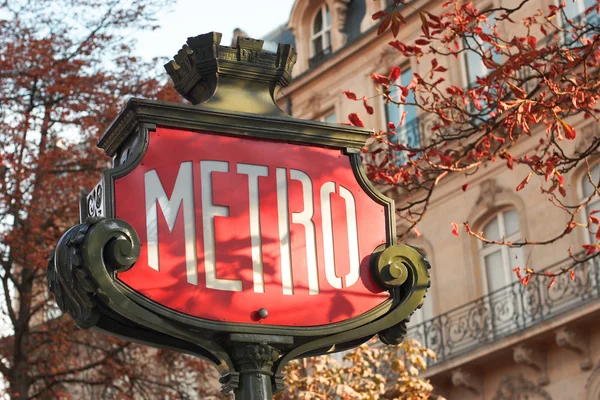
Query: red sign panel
<point x="230" y="225"/>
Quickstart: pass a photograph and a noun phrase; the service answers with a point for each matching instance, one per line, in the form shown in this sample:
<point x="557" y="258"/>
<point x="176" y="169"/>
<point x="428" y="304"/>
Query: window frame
<point x="325" y="28"/>
<point x="465" y="65"/>
<point x="327" y="114"/>
<point x="484" y="251"/>
<point x="401" y="131"/>
<point x="588" y="239"/>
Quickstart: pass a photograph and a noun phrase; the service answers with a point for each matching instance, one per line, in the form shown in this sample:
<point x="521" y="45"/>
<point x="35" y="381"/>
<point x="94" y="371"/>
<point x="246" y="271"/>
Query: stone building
<point x="495" y="339"/>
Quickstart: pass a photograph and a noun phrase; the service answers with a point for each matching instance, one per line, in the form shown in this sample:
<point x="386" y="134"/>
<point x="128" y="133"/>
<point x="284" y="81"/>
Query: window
<point x="587" y="190"/>
<point x="321" y="33"/>
<point x="575" y="12"/>
<point x="473" y="62"/>
<point x="498" y="261"/>
<point x="575" y="9"/>
<point x="329" y="118"/>
<point x="408" y="133"/>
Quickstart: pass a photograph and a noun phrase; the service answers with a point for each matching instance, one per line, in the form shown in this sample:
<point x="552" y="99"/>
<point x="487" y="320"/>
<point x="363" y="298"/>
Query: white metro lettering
<point x="183" y="195"/>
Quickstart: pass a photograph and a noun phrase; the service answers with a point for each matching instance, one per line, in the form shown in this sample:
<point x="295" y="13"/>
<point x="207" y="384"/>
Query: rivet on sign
<point x="263" y="313"/>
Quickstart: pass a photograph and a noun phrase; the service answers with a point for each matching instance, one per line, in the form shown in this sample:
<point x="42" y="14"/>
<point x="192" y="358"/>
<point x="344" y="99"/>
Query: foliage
<point x="366" y="372"/>
<point x="541" y="76"/>
<point x="65" y="70"/>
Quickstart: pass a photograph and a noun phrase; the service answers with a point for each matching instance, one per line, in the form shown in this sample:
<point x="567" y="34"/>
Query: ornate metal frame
<point x="82" y="271"/>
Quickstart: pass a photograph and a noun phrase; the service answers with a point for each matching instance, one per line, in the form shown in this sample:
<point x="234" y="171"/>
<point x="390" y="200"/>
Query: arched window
<point x="587" y="190"/>
<point x="321" y="33"/>
<point x="498" y="261"/>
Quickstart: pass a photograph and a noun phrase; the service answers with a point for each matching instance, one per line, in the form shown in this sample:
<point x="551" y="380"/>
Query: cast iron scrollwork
<point x="392" y="268"/>
<point x="97" y="240"/>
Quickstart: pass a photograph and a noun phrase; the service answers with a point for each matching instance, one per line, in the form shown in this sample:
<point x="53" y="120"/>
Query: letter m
<point x="183" y="192"/>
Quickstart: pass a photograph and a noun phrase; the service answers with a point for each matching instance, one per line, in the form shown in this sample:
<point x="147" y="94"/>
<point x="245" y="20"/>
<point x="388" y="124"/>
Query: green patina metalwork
<point x="232" y="90"/>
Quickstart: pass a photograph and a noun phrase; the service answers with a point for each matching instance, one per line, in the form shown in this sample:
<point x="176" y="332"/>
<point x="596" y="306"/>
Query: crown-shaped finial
<point x="204" y="64"/>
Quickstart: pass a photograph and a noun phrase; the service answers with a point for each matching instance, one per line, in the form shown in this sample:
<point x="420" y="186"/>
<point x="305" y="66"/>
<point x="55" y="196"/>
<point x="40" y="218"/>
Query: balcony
<point x="512" y="309"/>
<point x="319" y="57"/>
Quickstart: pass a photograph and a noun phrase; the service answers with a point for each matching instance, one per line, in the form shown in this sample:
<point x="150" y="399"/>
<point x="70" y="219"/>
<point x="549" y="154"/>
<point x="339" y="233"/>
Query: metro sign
<point x="232" y="225"/>
<point x="228" y="230"/>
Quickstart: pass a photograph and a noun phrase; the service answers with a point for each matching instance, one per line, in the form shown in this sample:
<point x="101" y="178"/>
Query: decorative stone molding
<point x="577" y="342"/>
<point x="519" y="388"/>
<point x="341" y="11"/>
<point x="534" y="359"/>
<point x="589" y="133"/>
<point x="489" y="190"/>
<point x="387" y="59"/>
<point x="462" y="378"/>
<point x="314" y="104"/>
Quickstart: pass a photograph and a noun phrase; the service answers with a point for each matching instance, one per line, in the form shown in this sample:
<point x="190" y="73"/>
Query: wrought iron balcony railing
<point x="319" y="57"/>
<point x="506" y="311"/>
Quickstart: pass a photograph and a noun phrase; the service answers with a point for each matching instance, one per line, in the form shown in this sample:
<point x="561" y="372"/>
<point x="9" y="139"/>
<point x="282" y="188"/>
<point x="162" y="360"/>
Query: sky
<point x="194" y="17"/>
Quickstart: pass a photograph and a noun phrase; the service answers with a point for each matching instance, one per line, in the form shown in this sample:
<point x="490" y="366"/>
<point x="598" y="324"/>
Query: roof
<point x="281" y="34"/>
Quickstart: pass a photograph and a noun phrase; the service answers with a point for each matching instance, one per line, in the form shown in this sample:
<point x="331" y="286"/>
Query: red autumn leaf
<point x="378" y="15"/>
<point x="568" y="129"/>
<point x="422" y="42"/>
<point x="552" y="282"/>
<point x="590" y="249"/>
<point x="380" y="79"/>
<point x="391" y="126"/>
<point x="594" y="220"/>
<point x="524" y="182"/>
<point x="396" y="24"/>
<point x="518" y="272"/>
<point x="367" y="106"/>
<point x="384" y="24"/>
<point x="424" y="24"/>
<point x="394" y="74"/>
<point x="416" y="231"/>
<point x="562" y="191"/>
<point x="517" y="91"/>
<point x="464" y="187"/>
<point x="350" y="95"/>
<point x="454" y="228"/>
<point x="570" y="227"/>
<point x="525" y="280"/>
<point x="355" y="120"/>
<point x="594" y="212"/>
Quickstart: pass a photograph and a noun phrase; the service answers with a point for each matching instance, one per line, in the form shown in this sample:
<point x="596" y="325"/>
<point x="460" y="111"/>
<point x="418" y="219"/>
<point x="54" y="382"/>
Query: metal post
<point x="254" y="363"/>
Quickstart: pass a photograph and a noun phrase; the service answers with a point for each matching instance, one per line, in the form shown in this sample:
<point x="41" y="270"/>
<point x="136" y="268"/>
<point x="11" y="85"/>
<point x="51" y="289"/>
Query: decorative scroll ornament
<point x="467" y="380"/>
<point x="578" y="343"/>
<point x="69" y="281"/>
<point x="534" y="359"/>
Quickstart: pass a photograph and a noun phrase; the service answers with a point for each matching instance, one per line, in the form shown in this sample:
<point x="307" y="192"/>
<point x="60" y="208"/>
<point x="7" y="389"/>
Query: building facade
<point x="495" y="339"/>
